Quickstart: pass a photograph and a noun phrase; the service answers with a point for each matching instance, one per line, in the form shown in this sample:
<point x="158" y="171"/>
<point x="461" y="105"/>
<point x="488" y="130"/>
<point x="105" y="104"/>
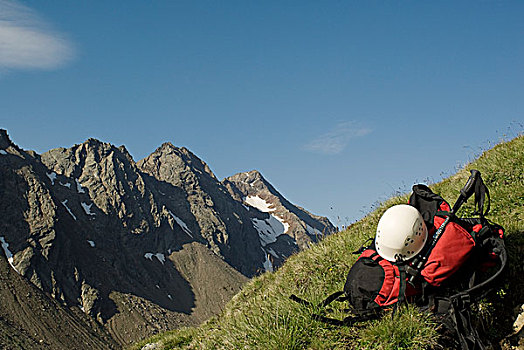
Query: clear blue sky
<point x="338" y="103"/>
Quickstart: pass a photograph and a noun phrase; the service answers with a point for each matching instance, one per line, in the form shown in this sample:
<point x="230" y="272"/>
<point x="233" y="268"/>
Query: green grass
<point x="262" y="316"/>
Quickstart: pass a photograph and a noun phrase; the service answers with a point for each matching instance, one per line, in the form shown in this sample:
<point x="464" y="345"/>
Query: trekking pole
<point x="418" y="263"/>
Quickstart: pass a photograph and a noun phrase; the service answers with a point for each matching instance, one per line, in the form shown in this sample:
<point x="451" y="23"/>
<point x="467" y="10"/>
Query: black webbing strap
<point x="420" y="259"/>
<point x="338" y="296"/>
<point x="335" y="296"/>
<point x="361" y="315"/>
<point x="402" y="286"/>
<point x="300" y="300"/>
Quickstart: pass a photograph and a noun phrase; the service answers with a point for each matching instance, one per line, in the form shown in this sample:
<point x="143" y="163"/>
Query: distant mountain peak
<point x="254" y="190"/>
<point x="94" y="141"/>
<point x="257" y="183"/>
<point x="170" y="156"/>
<point x="166" y="146"/>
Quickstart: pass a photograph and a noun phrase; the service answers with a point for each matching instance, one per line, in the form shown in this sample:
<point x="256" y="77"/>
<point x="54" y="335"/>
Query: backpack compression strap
<point x="361" y="315"/>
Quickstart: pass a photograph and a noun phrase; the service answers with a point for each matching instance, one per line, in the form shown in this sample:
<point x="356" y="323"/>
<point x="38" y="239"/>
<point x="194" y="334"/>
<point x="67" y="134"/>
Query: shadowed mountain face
<point x="29" y="319"/>
<point x="136" y="248"/>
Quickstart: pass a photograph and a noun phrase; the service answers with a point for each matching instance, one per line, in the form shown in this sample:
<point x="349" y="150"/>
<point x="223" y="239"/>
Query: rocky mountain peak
<point x="166" y="146"/>
<point x="179" y="160"/>
<point x="102" y="149"/>
<point x="300" y="225"/>
<point x="256" y="181"/>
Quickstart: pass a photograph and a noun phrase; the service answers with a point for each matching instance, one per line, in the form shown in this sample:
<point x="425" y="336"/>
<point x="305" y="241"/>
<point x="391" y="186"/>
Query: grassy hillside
<point x="261" y="316"/>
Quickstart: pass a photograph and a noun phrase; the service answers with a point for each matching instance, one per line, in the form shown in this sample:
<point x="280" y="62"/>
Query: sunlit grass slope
<point x="262" y="316"/>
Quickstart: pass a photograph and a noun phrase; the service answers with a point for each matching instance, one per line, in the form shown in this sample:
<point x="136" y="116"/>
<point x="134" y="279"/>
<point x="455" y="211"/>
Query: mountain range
<point x="100" y="251"/>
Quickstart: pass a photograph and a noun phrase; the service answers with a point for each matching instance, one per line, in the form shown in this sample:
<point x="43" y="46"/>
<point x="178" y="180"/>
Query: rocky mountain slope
<point x="29" y="319"/>
<point x="137" y="247"/>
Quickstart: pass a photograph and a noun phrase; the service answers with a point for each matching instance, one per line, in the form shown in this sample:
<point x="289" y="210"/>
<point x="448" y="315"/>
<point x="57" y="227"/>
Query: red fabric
<point x="444" y="206"/>
<point x="451" y="251"/>
<point x="388" y="294"/>
<point x="477" y="228"/>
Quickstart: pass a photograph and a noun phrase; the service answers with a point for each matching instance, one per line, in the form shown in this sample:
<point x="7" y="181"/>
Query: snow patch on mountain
<point x="259" y="203"/>
<point x="7" y="252"/>
<point x="313" y="231"/>
<point x="3" y="152"/>
<point x="182" y="224"/>
<point x="64" y="203"/>
<point x="161" y="257"/>
<point x="263" y="206"/>
<point x="268" y="265"/>
<point x="91" y="243"/>
<point x="87" y="208"/>
<point x="268" y="229"/>
<point x="52" y="177"/>
<point x="67" y="184"/>
<point x="79" y="187"/>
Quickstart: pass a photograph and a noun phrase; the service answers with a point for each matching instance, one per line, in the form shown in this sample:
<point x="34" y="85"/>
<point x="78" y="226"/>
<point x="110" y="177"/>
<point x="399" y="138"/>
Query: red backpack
<point x="457" y="249"/>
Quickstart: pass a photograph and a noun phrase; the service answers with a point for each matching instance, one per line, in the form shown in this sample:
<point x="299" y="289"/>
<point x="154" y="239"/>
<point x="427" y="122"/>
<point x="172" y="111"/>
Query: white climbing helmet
<point x="401" y="233"/>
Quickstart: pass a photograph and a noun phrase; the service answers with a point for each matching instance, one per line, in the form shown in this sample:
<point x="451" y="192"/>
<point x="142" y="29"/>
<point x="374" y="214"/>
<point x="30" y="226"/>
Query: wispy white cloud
<point x="336" y="140"/>
<point x="29" y="42"/>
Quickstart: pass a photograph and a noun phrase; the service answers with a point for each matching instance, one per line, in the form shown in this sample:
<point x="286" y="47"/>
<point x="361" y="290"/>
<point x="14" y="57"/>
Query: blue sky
<point x="339" y="104"/>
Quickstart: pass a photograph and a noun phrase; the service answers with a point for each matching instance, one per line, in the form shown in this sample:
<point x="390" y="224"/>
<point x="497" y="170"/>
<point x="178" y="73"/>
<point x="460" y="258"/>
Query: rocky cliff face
<point x="138" y="247"/>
